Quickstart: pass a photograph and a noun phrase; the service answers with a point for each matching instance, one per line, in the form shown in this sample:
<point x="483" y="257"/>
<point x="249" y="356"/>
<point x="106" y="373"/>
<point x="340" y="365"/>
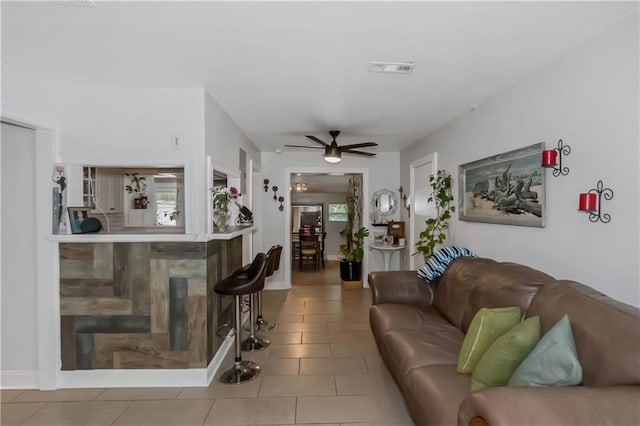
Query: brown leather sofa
<point x="419" y="329"/>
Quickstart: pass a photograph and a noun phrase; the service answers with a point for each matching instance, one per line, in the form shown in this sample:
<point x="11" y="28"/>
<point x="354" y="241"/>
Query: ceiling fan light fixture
<point x="332" y="154"/>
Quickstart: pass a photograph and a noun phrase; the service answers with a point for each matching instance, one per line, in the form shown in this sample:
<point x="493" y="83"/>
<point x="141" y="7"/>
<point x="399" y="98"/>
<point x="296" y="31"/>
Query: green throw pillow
<point x="553" y="362"/>
<point x="486" y="326"/>
<point x="505" y="355"/>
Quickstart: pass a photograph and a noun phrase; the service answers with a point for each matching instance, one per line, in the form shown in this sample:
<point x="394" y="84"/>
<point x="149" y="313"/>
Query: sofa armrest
<point x="576" y="405"/>
<point x="399" y="287"/>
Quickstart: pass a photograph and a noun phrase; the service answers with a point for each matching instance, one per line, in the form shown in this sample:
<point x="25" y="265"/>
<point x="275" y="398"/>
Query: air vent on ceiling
<point x="74" y="3"/>
<point x="392" y="67"/>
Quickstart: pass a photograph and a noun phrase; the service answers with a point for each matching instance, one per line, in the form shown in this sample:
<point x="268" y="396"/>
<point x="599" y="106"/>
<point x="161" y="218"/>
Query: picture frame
<point x="76" y="216"/>
<point x="507" y="188"/>
<point x="395" y="229"/>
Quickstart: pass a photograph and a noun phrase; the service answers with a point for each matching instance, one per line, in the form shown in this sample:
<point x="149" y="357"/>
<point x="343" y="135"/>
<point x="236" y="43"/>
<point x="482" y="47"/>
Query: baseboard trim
<point x="276" y="285"/>
<point x="19" y="379"/>
<point x="218" y="358"/>
<point x="133" y="378"/>
<point x="139" y="378"/>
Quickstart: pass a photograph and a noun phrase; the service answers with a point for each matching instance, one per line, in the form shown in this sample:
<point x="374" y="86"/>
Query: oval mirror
<point x="385" y="203"/>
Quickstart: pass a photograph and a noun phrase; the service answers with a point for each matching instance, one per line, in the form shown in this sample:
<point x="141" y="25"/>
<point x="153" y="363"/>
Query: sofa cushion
<point x="486" y="327"/>
<point x="396" y="316"/>
<point x="505" y="355"/>
<point x="506" y="284"/>
<point x="553" y="362"/>
<point x="473" y="283"/>
<point x="605" y="331"/>
<point x="434" y="344"/>
<point x="453" y="288"/>
<point x="437" y="392"/>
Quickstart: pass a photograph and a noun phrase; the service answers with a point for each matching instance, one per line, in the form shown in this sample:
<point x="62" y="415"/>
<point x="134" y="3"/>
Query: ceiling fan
<point x="333" y="152"/>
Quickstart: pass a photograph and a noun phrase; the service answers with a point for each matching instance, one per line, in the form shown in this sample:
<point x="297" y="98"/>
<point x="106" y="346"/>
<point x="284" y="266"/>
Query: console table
<point x="387" y="251"/>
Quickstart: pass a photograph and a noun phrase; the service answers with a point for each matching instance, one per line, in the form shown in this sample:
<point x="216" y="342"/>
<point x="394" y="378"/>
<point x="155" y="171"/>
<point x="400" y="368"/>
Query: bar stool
<point x="244" y="281"/>
<point x="273" y="264"/>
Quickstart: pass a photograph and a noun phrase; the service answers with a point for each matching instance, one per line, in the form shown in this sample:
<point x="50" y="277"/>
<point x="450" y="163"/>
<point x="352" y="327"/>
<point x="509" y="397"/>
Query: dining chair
<point x="309" y="249"/>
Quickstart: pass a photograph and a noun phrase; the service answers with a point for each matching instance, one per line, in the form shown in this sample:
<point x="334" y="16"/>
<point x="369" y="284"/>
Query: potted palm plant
<point x="437" y="226"/>
<point x="353" y="253"/>
<point x="352" y="250"/>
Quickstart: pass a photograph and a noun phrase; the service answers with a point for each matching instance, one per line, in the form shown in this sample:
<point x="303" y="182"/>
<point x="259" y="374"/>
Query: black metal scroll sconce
<point x="274" y="188"/>
<point x="403" y="197"/>
<point x="591" y="202"/>
<point x="553" y="157"/>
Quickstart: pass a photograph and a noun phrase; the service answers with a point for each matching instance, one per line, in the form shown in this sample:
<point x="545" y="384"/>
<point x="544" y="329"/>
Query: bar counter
<point x="144" y="301"/>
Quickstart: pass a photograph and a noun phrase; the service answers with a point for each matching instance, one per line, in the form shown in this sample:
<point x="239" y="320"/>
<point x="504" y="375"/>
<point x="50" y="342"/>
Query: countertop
<point x="233" y="232"/>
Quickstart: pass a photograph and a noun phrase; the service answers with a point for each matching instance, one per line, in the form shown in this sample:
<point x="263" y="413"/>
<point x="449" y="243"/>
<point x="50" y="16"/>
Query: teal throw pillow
<point x="553" y="362"/>
<point x="498" y="363"/>
<point x="486" y="326"/>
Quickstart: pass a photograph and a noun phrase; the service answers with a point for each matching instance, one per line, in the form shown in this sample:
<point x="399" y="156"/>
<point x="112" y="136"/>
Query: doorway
<point x="19" y="278"/>
<point x="325" y="193"/>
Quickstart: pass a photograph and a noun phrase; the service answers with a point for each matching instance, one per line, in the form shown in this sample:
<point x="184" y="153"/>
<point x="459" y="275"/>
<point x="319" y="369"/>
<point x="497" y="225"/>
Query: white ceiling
<point x="283" y="70"/>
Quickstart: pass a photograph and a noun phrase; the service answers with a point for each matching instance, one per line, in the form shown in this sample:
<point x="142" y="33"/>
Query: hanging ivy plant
<point x="437" y="226"/>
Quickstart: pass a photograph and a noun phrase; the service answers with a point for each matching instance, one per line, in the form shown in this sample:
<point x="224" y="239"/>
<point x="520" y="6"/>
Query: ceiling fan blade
<point x="304" y="146"/>
<point x="358" y="145"/>
<point x="313" y="138"/>
<point x="348" y="151"/>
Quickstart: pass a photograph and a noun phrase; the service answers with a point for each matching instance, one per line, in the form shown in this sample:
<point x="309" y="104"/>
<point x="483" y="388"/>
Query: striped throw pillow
<point x="439" y="261"/>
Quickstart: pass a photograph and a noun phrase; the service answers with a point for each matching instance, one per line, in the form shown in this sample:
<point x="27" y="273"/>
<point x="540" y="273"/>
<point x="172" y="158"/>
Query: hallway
<point x="322" y="367"/>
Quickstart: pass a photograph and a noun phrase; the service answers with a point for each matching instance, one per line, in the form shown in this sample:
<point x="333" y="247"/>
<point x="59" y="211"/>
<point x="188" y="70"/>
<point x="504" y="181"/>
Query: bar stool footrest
<point x="241" y="372"/>
<point x="254" y="343"/>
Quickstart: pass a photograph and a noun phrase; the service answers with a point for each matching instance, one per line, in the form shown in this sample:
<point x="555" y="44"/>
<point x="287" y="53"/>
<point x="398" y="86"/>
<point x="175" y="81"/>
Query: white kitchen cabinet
<point x="110" y="190"/>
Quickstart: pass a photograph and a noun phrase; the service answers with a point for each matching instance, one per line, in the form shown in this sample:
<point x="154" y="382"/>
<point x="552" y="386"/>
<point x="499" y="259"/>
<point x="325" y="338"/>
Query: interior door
<point x="420" y="170"/>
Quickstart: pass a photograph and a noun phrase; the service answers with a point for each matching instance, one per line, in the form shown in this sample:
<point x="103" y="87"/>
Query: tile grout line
<point x="35" y="412"/>
<point x="122" y="412"/>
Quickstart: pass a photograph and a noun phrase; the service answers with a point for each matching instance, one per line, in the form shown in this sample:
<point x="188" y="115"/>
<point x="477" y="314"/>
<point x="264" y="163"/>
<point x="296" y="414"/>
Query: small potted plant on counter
<point x="137" y="185"/>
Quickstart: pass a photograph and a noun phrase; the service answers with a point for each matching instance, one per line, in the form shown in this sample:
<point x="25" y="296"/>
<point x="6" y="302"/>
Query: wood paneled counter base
<point x="144" y="305"/>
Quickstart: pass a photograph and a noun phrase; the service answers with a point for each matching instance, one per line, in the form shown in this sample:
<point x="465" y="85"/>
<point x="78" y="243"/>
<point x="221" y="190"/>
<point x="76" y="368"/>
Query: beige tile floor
<point x="322" y="368"/>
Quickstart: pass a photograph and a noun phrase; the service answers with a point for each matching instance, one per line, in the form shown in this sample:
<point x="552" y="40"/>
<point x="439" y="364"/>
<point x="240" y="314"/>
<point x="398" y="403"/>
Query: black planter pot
<point x="350" y="270"/>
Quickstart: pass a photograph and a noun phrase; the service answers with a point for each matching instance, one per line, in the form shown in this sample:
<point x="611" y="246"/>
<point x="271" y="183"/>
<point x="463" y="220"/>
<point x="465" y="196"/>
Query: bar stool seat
<point x="273" y="264"/>
<point x="248" y="280"/>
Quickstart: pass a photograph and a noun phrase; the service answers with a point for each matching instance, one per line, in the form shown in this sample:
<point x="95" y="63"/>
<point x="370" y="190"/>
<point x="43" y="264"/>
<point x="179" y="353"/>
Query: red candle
<point x="587" y="202"/>
<point x="549" y="158"/>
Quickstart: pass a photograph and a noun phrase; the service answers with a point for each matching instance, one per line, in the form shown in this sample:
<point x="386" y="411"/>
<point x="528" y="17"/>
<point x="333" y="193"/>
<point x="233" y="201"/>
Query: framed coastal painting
<point x="507" y="188"/>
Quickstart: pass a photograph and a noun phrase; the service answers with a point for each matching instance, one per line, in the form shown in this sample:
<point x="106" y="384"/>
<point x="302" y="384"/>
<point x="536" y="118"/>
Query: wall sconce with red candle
<point x="591" y="202"/>
<point x="553" y="157"/>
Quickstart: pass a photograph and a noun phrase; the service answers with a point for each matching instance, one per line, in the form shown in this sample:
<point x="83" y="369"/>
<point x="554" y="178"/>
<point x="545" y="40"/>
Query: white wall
<point x="18" y="285"/>
<point x="115" y="124"/>
<point x="223" y="138"/>
<point x="382" y="170"/>
<point x="223" y="141"/>
<point x="588" y="98"/>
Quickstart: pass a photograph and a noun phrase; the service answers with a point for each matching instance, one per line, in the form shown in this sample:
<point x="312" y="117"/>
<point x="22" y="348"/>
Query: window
<point x="166" y="207"/>
<point x="337" y="212"/>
